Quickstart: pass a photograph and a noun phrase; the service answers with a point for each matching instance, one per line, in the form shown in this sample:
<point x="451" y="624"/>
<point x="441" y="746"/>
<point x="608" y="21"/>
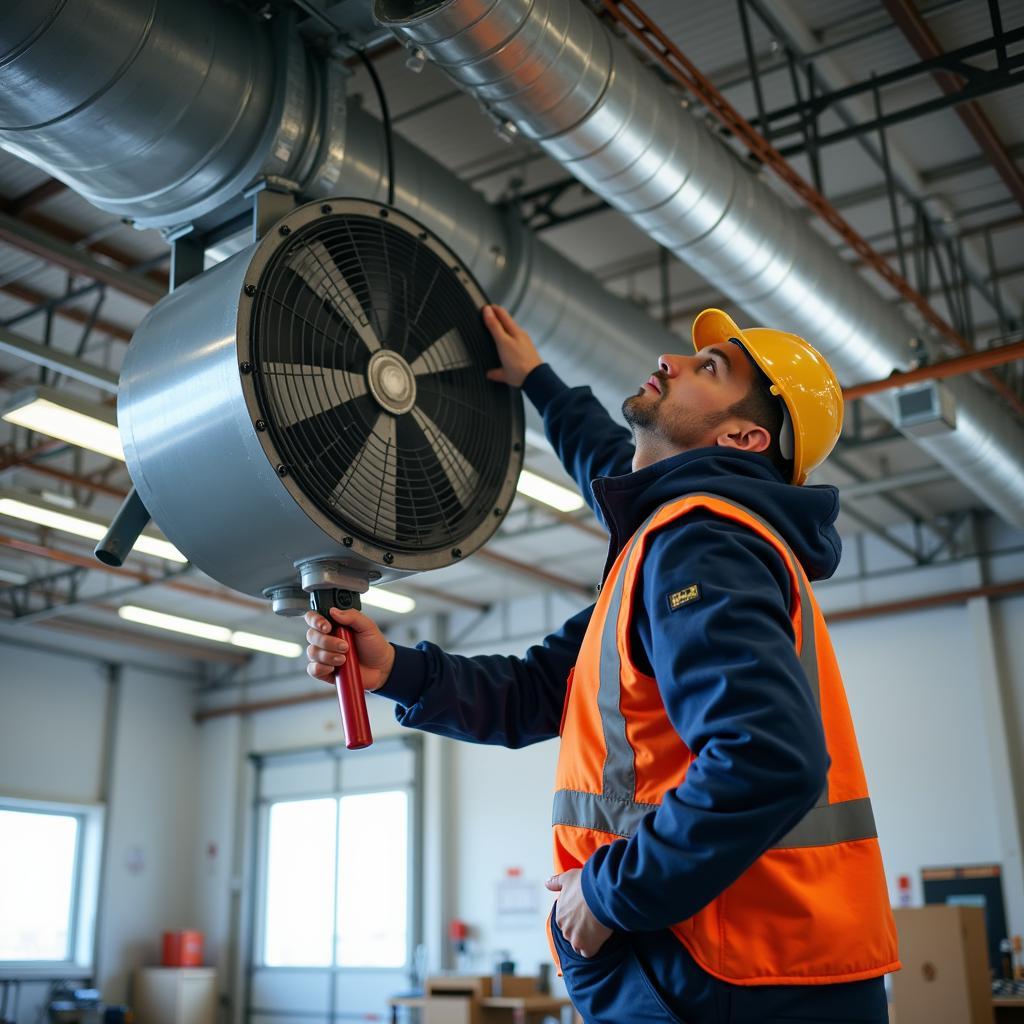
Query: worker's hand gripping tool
<point x="331" y="585"/>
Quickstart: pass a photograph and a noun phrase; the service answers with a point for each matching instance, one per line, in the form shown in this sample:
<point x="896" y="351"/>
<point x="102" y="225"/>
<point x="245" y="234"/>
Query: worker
<point x="715" y="852"/>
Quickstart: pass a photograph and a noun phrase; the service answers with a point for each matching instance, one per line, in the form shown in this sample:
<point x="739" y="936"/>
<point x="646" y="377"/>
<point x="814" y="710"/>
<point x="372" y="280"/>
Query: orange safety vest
<point x="813" y="909"/>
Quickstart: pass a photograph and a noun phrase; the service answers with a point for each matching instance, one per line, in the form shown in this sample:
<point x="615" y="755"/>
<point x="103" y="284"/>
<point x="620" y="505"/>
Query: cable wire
<point x="359" y="52"/>
<point x="386" y="117"/>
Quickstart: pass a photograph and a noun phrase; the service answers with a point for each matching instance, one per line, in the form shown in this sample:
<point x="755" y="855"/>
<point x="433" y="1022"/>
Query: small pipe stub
<point x="131" y="519"/>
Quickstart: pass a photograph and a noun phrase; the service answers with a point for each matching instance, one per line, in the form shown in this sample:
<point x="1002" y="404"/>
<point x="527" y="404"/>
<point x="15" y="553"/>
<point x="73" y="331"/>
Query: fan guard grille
<point x="369" y="355"/>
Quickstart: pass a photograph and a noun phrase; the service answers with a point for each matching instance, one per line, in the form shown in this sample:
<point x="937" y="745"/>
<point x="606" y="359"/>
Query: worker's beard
<point x="640" y="412"/>
<point x="679" y="429"/>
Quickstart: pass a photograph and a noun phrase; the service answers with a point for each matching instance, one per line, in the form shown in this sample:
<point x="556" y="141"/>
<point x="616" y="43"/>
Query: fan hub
<point x="391" y="382"/>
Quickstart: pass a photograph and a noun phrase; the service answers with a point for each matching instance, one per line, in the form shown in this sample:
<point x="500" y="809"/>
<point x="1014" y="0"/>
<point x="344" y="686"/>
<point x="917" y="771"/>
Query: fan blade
<point x="333" y="389"/>
<point x="446" y="353"/>
<point x="311" y="263"/>
<point x="461" y="475"/>
<point x="385" y="522"/>
<point x="381" y="506"/>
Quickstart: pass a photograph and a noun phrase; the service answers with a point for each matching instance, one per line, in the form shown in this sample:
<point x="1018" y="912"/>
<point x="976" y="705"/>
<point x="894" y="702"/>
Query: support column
<point x="1006" y="787"/>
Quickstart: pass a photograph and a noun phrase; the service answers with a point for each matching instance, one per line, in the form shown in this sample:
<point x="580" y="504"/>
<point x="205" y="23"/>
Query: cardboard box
<point x="945" y="977"/>
<point x="451" y="1010"/>
<point x="514" y="985"/>
<point x="455" y="999"/>
<point x="476" y="985"/>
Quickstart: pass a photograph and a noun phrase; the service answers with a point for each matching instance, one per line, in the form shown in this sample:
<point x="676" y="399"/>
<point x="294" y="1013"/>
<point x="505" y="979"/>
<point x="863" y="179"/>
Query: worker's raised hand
<point x="326" y="652"/>
<point x="516" y="349"/>
<point x="574" y="918"/>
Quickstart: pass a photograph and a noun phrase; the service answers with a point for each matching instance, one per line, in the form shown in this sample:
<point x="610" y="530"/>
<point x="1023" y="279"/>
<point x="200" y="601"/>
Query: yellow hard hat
<point x="800" y="377"/>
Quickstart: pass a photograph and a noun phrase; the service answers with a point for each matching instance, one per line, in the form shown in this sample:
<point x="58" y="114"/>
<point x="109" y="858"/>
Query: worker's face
<point x="687" y="403"/>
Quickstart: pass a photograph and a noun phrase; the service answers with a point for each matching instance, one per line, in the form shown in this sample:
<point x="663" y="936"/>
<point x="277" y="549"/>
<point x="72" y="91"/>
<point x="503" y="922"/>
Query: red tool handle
<point x="348" y="680"/>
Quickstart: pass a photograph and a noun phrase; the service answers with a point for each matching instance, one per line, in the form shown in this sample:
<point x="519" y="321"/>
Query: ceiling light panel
<point x="68" y="418"/>
<point x="209" y="631"/>
<point x="32" y="510"/>
<point x="388" y="600"/>
<point x="548" y="492"/>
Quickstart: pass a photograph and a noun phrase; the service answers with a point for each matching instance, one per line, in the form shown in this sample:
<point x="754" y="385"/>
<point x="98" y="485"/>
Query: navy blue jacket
<point x="725" y="665"/>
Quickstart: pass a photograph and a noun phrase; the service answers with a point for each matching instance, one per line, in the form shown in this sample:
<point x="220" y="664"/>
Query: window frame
<point x="413" y="789"/>
<point x="85" y="890"/>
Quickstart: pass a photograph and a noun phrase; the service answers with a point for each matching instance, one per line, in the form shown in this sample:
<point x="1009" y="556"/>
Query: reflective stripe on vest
<point x="615" y="810"/>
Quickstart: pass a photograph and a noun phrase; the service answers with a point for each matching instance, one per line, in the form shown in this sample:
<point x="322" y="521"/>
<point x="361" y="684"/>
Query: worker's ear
<point x="743" y="435"/>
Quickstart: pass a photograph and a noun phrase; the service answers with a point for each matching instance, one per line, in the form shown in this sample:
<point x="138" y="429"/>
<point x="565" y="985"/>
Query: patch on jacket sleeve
<point x="685" y="596"/>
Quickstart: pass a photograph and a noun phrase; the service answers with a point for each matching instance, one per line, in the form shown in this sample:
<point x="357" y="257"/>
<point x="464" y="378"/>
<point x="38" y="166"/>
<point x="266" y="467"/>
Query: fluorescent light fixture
<point x="175" y="623"/>
<point x="267" y="644"/>
<point x="63" y="500"/>
<point x="209" y="631"/>
<point x="34" y="511"/>
<point x="549" y="493"/>
<point x="388" y="600"/>
<point x="155" y="546"/>
<point x="67" y="418"/>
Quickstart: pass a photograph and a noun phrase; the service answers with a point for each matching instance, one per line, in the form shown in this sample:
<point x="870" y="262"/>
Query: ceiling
<point x="934" y="155"/>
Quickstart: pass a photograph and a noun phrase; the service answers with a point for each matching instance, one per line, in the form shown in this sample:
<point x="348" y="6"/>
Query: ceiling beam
<point x="313" y="697"/>
<point x="51" y="248"/>
<point x="34" y="196"/>
<point x="994" y="591"/>
<point x="525" y="569"/>
<point x="60" y="231"/>
<point x="76" y="654"/>
<point x="970" y="363"/>
<point x="71" y="558"/>
<point x="927" y="46"/>
<point x="912" y="478"/>
<point x="440" y="595"/>
<point x="65" y="312"/>
<point x="127" y="636"/>
<point x="52" y="358"/>
<point x="932" y="177"/>
<point x="69" y="478"/>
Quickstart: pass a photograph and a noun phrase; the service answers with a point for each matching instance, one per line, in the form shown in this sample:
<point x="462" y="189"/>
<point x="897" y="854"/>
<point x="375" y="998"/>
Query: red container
<point x="183" y="949"/>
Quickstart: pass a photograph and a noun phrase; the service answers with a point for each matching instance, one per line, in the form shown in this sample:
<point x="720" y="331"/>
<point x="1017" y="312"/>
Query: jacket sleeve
<point x="489" y="698"/>
<point x="586" y="439"/>
<point x="734" y="689"/>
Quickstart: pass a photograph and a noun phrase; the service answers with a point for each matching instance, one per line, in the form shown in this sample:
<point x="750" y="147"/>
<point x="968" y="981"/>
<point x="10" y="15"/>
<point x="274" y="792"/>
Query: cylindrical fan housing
<point x="260" y="403"/>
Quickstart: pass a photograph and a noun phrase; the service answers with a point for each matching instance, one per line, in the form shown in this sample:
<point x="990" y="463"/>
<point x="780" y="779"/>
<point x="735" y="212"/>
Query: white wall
<point x="52" y="733"/>
<point x="503" y="821"/>
<point x="919" y="722"/>
<point x="1008" y="618"/>
<point x="152" y="812"/>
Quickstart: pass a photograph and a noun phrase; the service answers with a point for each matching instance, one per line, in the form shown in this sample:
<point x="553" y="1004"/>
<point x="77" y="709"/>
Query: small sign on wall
<point x="518" y="898"/>
<point x="135" y="860"/>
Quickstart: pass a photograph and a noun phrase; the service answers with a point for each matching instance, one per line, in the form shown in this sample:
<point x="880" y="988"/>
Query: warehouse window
<point x="373" y="843"/>
<point x="49" y="876"/>
<point x="300" y="872"/>
<point x="337" y="870"/>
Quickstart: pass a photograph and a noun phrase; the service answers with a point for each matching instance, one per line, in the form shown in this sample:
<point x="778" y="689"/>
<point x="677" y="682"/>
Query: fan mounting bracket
<point x="330" y="574"/>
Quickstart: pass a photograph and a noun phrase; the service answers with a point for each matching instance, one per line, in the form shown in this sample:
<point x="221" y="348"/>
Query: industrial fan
<point x="312" y="415"/>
